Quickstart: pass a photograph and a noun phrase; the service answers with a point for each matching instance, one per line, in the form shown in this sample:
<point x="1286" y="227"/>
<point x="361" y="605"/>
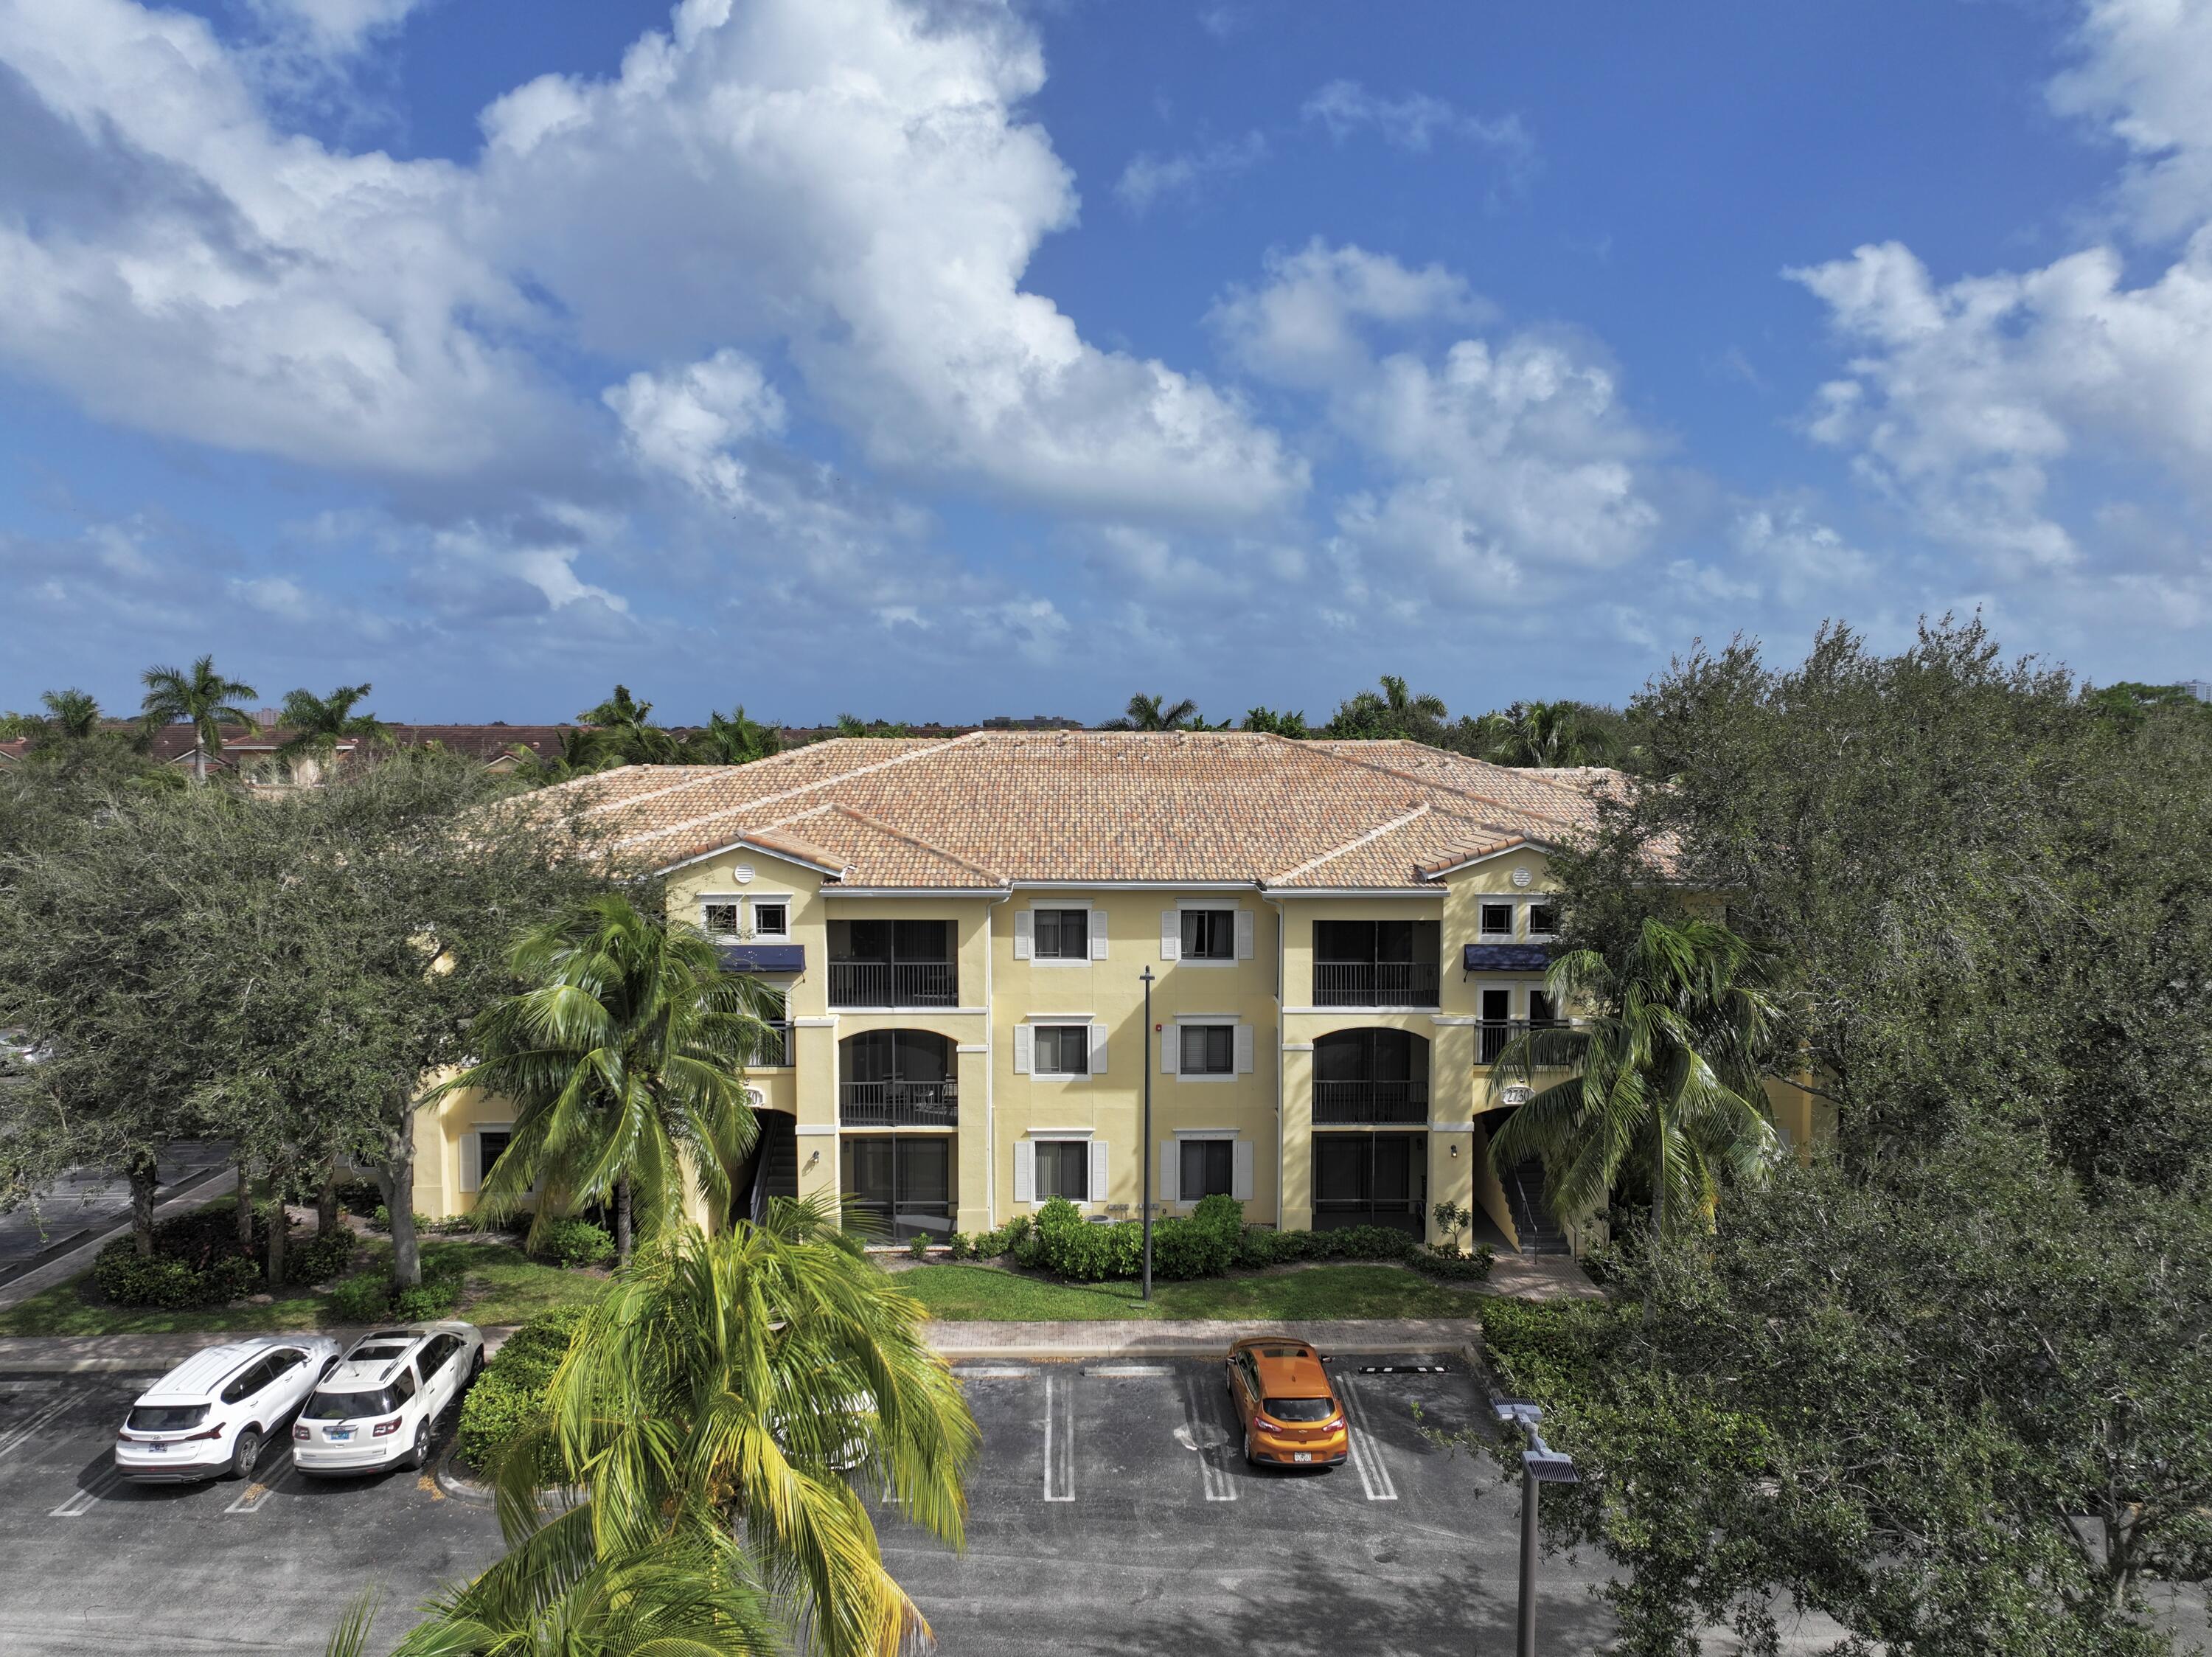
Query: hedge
<point x="575" y="1243"/>
<point x="370" y="1298"/>
<point x="509" y="1396"/>
<point x="198" y="1260"/>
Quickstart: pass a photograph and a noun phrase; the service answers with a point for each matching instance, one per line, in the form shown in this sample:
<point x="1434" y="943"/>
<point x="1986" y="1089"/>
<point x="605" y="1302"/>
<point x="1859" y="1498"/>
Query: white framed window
<point x="771" y="917"/>
<point x="1203" y="1162"/>
<point x="1206" y="932"/>
<point x="1199" y="1048"/>
<point x="1073" y="1167"/>
<point x="1059" y="1049"/>
<point x="1061" y="934"/>
<point x="722" y="919"/>
<point x="1543" y="919"/>
<point x="1494" y="920"/>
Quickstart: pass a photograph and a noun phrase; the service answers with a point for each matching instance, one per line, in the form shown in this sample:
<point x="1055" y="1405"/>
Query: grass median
<point x="972" y="1294"/>
<point x="500" y="1285"/>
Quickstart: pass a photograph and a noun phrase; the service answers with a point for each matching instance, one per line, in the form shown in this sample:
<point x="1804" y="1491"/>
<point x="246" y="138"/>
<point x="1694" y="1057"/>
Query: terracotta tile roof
<point x="992" y="807"/>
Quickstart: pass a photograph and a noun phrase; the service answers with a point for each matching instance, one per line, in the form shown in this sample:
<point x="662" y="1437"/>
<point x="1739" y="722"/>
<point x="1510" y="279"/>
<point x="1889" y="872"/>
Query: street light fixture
<point x="1145" y="1146"/>
<point x="1539" y="1465"/>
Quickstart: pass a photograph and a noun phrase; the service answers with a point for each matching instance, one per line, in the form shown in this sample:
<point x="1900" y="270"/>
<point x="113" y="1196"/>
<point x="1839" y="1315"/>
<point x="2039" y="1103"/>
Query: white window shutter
<point x="1097" y="1170"/>
<point x="1170" y="1170"/>
<point x="1243" y="935"/>
<point x="471" y="1150"/>
<point x="1097" y="936"/>
<point x="1097" y="1050"/>
<point x="1024" y="1171"/>
<point x="1170" y="934"/>
<point x="1024" y="1048"/>
<point x="1240" y="1176"/>
<point x="1171" y="1051"/>
<point x="1244" y="1049"/>
<point x="1025" y="934"/>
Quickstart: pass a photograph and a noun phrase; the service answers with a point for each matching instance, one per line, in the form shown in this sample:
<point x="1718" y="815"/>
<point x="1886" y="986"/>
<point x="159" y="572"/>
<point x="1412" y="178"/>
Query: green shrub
<point x="381" y="1220"/>
<point x="956" y="1246"/>
<point x="918" y="1245"/>
<point x="319" y="1257"/>
<point x="434" y="1297"/>
<point x="128" y="1279"/>
<point x="362" y="1300"/>
<point x="509" y="1396"/>
<point x="359" y="1196"/>
<point x="1267" y="1248"/>
<point x="575" y="1243"/>
<point x="1454" y="1267"/>
<point x="990" y="1245"/>
<point x="1553" y="1351"/>
<point x="196" y="1261"/>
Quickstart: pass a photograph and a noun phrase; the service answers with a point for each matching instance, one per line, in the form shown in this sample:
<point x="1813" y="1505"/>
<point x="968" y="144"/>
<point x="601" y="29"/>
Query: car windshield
<point x="350" y="1406"/>
<point x="167" y="1417"/>
<point x="1301" y="1409"/>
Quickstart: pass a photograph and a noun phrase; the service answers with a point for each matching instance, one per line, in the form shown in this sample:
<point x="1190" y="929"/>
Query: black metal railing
<point x="773" y="1051"/>
<point x="1493" y="1036"/>
<point x="899" y="1105"/>
<point x="1336" y="1103"/>
<point x="894" y="983"/>
<point x="1374" y="983"/>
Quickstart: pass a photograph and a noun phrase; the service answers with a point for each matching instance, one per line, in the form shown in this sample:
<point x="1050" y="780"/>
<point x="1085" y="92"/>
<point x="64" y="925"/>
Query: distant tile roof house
<point x="995" y="808"/>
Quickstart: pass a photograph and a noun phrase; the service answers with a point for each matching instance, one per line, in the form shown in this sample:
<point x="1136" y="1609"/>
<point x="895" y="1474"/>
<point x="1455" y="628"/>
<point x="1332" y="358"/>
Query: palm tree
<point x="625" y="1060"/>
<point x="628" y="725"/>
<point x="1395" y="712"/>
<point x="1146" y="714"/>
<point x="1665" y="1072"/>
<point x="1537" y="734"/>
<point x="733" y="740"/>
<point x="320" y="723"/>
<point x="202" y="696"/>
<point x="72" y="715"/>
<point x="751" y="1384"/>
<point x="583" y="752"/>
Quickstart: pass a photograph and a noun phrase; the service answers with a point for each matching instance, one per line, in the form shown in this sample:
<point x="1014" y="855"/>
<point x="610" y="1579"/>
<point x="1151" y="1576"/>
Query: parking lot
<point x="1111" y="1511"/>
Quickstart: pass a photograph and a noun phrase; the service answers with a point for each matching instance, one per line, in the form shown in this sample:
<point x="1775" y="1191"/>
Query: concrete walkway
<point x="1195" y="1338"/>
<point x="1540" y="1277"/>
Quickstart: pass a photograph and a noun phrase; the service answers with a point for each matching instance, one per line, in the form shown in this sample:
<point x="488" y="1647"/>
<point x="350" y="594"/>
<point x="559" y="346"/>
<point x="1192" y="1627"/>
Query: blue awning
<point x="1507" y="958"/>
<point x="764" y="957"/>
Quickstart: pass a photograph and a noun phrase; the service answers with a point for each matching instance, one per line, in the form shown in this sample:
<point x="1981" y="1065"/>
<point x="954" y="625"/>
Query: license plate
<point x="155" y="1449"/>
<point x="337" y="1434"/>
<point x="1301" y="1455"/>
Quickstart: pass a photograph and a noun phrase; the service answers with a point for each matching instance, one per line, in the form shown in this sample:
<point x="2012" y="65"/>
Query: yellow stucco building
<point x="1341" y="937"/>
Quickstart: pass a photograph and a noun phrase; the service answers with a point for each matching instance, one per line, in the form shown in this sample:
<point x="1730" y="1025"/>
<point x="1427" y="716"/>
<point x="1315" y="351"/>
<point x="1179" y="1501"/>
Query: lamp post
<point x="1541" y="1465"/>
<point x="1145" y="1145"/>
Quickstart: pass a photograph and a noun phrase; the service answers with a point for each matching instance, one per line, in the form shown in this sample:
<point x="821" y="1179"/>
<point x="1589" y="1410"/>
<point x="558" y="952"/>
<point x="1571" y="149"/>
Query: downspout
<point x="990" y="1069"/>
<point x="1276" y="903"/>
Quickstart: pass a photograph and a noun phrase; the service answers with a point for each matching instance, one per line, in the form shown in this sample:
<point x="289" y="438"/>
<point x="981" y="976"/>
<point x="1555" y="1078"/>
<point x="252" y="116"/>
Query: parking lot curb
<point x="446" y="1471"/>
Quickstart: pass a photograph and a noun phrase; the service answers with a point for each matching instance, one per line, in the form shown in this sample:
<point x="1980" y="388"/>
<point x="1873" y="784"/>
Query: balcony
<point x="1493" y="1036"/>
<point x="855" y="985"/>
<point x="1336" y="1104"/>
<point x="1374" y="983"/>
<point x="773" y="1052"/>
<point x="899" y="1105"/>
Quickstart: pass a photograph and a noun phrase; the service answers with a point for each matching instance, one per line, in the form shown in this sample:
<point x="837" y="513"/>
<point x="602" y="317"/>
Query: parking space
<point x="1113" y="1511"/>
<point x="96" y="1564"/>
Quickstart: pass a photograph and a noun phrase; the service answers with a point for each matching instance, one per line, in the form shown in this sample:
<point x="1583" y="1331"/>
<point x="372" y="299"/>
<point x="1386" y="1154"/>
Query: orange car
<point x="1290" y="1412"/>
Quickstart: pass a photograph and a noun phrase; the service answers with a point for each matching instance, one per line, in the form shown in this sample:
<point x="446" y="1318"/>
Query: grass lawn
<point x="966" y="1293"/>
<point x="503" y="1285"/>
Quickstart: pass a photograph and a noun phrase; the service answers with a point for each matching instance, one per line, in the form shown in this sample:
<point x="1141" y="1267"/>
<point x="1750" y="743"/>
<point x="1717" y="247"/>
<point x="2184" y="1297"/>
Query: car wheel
<point x="475" y="1367"/>
<point x="246" y="1454"/>
<point x="1250" y="1460"/>
<point x="419" y="1457"/>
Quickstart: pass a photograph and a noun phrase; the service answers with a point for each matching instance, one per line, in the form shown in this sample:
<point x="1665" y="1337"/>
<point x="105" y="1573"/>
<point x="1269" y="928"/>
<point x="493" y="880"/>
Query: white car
<point x="212" y="1414"/>
<point x="380" y="1407"/>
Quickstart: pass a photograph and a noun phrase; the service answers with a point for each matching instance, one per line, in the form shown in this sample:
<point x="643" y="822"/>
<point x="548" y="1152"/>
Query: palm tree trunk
<point x="326" y="1201"/>
<point x="1658" y="1177"/>
<point x="622" y="1221"/>
<point x="200" y="755"/>
<point x="143" y="1174"/>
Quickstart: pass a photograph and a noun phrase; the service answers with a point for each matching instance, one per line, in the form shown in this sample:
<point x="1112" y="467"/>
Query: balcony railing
<point x="773" y="1052"/>
<point x="1336" y="1103"/>
<point x="899" y="1105"/>
<point x="894" y="983"/>
<point x="1493" y="1036"/>
<point x="1374" y="983"/>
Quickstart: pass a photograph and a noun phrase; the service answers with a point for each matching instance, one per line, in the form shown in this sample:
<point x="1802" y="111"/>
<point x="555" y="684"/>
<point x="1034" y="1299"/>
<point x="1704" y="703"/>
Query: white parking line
<point x="22" y="1434"/>
<point x="1059" y="1441"/>
<point x="81" y="1504"/>
<point x="1128" y="1371"/>
<point x="1365" y="1455"/>
<point x="256" y="1494"/>
<point x="1219" y="1486"/>
<point x="993" y="1371"/>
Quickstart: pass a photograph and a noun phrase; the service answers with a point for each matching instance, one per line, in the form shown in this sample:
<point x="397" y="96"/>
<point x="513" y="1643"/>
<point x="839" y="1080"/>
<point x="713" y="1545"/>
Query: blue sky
<point x="943" y="360"/>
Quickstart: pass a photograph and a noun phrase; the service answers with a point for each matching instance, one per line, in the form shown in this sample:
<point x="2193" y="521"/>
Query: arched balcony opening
<point x="898" y="1079"/>
<point x="1363" y="1077"/>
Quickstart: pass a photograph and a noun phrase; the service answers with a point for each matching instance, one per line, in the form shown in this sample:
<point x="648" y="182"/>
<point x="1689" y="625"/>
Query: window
<point x="771" y="920"/>
<point x="1497" y="920"/>
<point x="283" y="1362"/>
<point x="1543" y="919"/>
<point x="1063" y="1049"/>
<point x="1209" y="935"/>
<point x="403" y="1385"/>
<point x="1063" y="934"/>
<point x="1063" y="1169"/>
<point x="249" y="1383"/>
<point x="1540" y="1008"/>
<point x="436" y="1350"/>
<point x="491" y="1145"/>
<point x="720" y="920"/>
<point x="1208" y="1169"/>
<point x="1208" y="1050"/>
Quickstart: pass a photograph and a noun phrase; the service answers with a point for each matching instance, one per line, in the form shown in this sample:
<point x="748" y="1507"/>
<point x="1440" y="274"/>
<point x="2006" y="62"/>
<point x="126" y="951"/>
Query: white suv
<point x="381" y="1406"/>
<point x="212" y="1413"/>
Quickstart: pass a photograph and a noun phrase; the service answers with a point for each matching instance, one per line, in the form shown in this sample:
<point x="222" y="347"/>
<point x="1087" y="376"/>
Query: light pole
<point x="1145" y="1146"/>
<point x="1539" y="1465"/>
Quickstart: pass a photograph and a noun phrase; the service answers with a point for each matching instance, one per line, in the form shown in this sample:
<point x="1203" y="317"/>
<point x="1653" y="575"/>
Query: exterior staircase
<point x="1524" y="1193"/>
<point x="774" y="1164"/>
